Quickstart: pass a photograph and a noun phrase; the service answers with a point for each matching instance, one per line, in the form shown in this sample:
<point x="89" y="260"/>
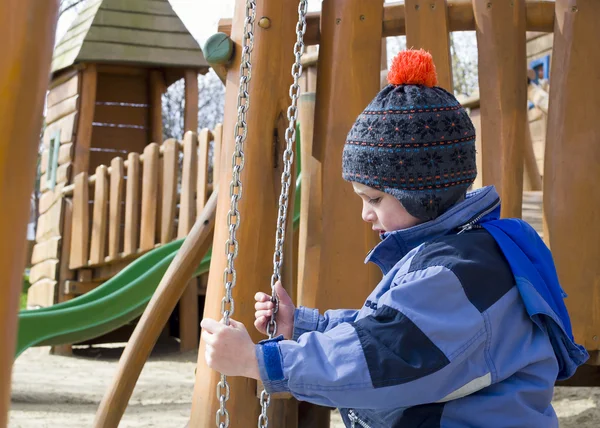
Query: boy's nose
<point x="368" y="214"/>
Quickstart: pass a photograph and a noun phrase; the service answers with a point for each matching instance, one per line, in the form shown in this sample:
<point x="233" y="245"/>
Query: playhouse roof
<point x="144" y="32"/>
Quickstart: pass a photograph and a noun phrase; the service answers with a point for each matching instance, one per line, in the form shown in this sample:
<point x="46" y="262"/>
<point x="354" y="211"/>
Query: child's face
<point x="383" y="211"/>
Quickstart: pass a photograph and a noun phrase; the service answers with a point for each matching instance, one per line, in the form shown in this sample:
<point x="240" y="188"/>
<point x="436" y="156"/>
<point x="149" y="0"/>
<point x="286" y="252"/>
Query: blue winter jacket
<point x="467" y="328"/>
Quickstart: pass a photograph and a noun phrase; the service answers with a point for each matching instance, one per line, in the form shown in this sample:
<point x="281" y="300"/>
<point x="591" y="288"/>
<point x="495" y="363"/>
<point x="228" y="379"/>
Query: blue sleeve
<point x="415" y="348"/>
<point x="307" y="320"/>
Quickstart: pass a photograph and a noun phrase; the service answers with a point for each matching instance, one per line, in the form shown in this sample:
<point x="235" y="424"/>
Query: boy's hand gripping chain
<point x="235" y="192"/>
<point x="286" y="176"/>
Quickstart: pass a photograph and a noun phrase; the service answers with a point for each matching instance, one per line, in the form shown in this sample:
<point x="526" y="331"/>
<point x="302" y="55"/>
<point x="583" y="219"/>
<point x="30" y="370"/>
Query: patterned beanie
<point x="413" y="141"/>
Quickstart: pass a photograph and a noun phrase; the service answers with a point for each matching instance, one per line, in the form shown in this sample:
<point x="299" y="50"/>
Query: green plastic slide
<point x="118" y="301"/>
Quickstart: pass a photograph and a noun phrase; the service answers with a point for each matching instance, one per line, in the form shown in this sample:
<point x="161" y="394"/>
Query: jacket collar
<point x="479" y="206"/>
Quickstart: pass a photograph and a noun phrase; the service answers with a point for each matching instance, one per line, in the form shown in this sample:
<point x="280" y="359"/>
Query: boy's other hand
<point x="285" y="314"/>
<point x="229" y="348"/>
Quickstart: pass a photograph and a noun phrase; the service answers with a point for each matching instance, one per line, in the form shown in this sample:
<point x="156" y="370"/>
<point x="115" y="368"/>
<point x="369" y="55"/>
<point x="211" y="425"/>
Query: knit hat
<point x="413" y="141"/>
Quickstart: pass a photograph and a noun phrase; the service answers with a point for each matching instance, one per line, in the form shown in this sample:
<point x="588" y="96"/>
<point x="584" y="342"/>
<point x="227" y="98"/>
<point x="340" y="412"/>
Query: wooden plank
<point x="67" y="127"/>
<point x="169" y="190"/>
<point x="126" y="115"/>
<point x="27" y="31"/>
<point x="476" y="119"/>
<point x="76" y="288"/>
<point x="132" y="205"/>
<point x="65" y="153"/>
<point x="44" y="161"/>
<point x="217" y="142"/>
<point x="157" y="89"/>
<point x="311" y="228"/>
<point x="62" y="109"/>
<point x="63" y="173"/>
<point x="49" y="197"/>
<point x="532" y="179"/>
<point x="81" y="223"/>
<point x="190" y="114"/>
<point x="46" y="250"/>
<point x="540" y="17"/>
<point x="202" y="186"/>
<point x="86" y="117"/>
<point x="139" y="21"/>
<point x="116" y="206"/>
<point x="540" y="44"/>
<point x="44" y="270"/>
<point x="41" y="294"/>
<point x="149" y="196"/>
<point x="121" y="88"/>
<point x="49" y="222"/>
<point x="188" y="185"/>
<point x="125" y="139"/>
<point x="258" y="205"/>
<point x="100" y="216"/>
<point x="140" y="6"/>
<point x="65" y="90"/>
<point x="571" y="196"/>
<point x="147" y="38"/>
<point x="427" y="27"/>
<point x="502" y="72"/>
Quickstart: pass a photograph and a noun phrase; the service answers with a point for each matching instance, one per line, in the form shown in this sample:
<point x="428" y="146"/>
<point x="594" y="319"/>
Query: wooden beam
<point x="170" y="166"/>
<point x="87" y="104"/>
<point x="269" y="95"/>
<point x="157" y="89"/>
<point x="27" y="29"/>
<point x="503" y="97"/>
<point x="571" y="196"/>
<point x="190" y="113"/>
<point x="149" y="197"/>
<point x="117" y="174"/>
<point x="540" y="17"/>
<point x="154" y="318"/>
<point x="100" y="216"/>
<point x="427" y="28"/>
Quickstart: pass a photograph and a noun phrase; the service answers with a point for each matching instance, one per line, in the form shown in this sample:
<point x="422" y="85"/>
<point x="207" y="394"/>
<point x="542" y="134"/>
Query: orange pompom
<point x="413" y="67"/>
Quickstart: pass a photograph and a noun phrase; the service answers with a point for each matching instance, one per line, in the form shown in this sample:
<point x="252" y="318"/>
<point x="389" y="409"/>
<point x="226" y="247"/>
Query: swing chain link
<point x="235" y="192"/>
<point x="286" y="176"/>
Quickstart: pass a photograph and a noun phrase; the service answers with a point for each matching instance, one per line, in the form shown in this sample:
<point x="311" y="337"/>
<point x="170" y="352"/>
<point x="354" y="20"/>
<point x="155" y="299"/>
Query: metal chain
<point x="286" y="176"/>
<point x="235" y="193"/>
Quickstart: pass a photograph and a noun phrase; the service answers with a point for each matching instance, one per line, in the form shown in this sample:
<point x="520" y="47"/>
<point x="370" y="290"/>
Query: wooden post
<point x="100" y="216"/>
<point x="89" y="79"/>
<point x="189" y="324"/>
<point x="157" y="89"/>
<point x="132" y="204"/>
<point x="190" y="114"/>
<point x="427" y="27"/>
<point x="169" y="190"/>
<point x="217" y="142"/>
<point x="27" y="28"/>
<point x="149" y="196"/>
<point x="503" y="87"/>
<point x="571" y="196"/>
<point x="342" y="253"/>
<point x="272" y="57"/>
<point x="80" y="225"/>
<point x="115" y="206"/>
<point x="202" y="187"/>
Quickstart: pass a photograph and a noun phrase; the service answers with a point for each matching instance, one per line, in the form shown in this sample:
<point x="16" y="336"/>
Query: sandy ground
<point x="64" y="392"/>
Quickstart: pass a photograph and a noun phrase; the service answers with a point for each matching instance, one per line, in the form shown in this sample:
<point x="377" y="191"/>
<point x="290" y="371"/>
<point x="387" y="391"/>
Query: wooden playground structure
<point x="323" y="258"/>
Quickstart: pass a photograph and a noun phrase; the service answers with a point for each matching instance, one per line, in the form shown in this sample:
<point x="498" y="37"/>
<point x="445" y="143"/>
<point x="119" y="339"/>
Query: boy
<point x="467" y="328"/>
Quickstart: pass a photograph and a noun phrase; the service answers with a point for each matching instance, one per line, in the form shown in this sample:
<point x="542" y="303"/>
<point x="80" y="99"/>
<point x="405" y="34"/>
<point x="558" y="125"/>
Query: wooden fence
<point x="137" y="204"/>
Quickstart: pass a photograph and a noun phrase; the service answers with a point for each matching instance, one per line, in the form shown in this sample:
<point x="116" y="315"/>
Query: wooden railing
<point x="135" y="205"/>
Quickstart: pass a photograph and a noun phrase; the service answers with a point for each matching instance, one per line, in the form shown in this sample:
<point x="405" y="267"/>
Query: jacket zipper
<point x="355" y="420"/>
<point x="473" y="223"/>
